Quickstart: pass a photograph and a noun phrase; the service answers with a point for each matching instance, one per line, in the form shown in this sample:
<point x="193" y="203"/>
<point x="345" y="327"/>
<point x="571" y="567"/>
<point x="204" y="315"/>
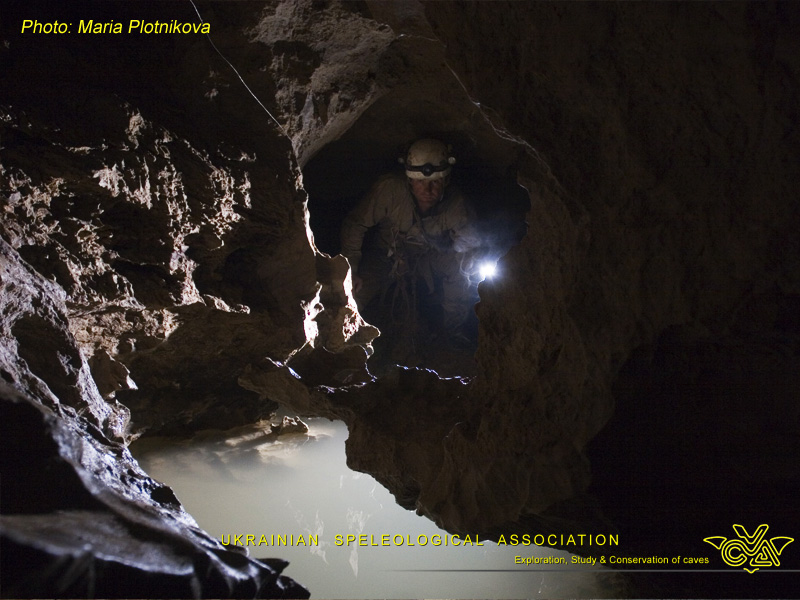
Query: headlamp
<point x="428" y="169"/>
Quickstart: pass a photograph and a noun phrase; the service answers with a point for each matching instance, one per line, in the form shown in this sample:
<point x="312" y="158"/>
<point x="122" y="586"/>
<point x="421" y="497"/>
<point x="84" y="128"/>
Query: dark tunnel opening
<point x="342" y="173"/>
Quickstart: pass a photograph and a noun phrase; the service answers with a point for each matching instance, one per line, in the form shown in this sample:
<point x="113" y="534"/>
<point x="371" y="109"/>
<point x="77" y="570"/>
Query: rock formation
<point x="164" y="270"/>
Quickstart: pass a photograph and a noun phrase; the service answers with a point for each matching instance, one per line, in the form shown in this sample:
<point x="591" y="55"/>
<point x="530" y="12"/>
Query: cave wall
<point x="669" y="132"/>
<point x="177" y="250"/>
<point x="161" y="275"/>
<point x="154" y="233"/>
<point x="657" y="146"/>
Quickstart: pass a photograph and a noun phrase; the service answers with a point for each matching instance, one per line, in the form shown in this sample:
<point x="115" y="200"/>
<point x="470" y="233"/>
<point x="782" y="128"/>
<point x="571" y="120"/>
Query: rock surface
<point x="161" y="274"/>
<point x="139" y="261"/>
<point x="80" y="519"/>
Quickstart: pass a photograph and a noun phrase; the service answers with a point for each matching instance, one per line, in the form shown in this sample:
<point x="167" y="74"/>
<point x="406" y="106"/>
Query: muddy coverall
<point x="436" y="247"/>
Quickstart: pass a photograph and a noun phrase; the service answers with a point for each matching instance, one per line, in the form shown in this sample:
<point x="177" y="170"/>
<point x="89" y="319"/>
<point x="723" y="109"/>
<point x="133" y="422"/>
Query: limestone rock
<point x="169" y="239"/>
<point x="80" y="520"/>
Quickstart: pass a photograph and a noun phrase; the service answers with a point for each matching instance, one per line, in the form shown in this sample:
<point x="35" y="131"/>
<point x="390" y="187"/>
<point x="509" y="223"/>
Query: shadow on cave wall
<point x="343" y="171"/>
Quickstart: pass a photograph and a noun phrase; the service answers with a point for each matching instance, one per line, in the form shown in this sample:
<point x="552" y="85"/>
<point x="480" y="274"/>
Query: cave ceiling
<point x="163" y="270"/>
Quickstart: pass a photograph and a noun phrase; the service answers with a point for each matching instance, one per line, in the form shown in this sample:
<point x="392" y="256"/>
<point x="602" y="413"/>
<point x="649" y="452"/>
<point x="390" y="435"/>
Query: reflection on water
<point x="299" y="485"/>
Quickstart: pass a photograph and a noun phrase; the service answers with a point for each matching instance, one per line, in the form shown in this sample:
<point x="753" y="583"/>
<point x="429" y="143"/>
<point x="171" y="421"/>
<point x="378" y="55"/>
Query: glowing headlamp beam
<point x="487" y="269"/>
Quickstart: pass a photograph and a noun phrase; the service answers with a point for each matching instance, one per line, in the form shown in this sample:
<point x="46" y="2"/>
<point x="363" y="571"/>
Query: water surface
<point x="299" y="485"/>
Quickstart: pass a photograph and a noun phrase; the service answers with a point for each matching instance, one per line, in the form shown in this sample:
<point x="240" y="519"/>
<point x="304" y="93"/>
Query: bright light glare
<point x="487" y="269"/>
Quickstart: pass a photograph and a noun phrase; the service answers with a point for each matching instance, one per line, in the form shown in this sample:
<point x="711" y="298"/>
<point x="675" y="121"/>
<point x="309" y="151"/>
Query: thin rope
<point x="244" y="83"/>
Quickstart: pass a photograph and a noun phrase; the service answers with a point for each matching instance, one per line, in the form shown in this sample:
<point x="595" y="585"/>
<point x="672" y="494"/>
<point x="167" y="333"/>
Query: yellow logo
<point x="760" y="551"/>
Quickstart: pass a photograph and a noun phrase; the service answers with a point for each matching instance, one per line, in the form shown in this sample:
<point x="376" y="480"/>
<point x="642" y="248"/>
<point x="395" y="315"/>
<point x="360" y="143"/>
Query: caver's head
<point x="428" y="165"/>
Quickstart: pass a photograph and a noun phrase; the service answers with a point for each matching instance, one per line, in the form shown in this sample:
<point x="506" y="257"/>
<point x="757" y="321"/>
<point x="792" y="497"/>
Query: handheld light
<point x="487" y="269"/>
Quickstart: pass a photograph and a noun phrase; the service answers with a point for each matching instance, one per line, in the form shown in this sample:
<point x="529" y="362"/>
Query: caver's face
<point x="427" y="192"/>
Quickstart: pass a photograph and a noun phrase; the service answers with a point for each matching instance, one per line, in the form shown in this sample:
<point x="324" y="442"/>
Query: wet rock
<point x="80" y="519"/>
<point x="160" y="273"/>
<point x="290" y="425"/>
<point x="136" y="261"/>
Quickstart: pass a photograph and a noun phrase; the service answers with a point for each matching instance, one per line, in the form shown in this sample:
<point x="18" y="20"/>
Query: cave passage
<point x="340" y="175"/>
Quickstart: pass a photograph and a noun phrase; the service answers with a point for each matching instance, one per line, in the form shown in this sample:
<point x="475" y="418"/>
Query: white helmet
<point x="428" y="159"/>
